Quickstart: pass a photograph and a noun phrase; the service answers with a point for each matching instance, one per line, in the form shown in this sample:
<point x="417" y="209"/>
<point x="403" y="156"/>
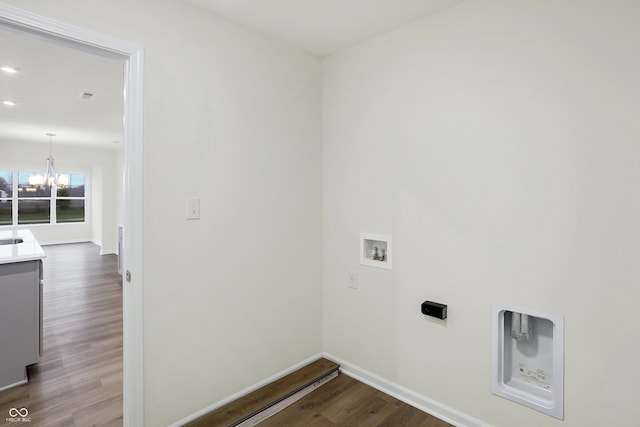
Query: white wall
<point x="101" y="168"/>
<point x="499" y="144"/>
<point x="234" y="119"/>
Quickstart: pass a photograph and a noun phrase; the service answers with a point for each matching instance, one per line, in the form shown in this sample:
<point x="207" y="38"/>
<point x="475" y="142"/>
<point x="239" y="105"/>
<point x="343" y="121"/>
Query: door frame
<point x="132" y="56"/>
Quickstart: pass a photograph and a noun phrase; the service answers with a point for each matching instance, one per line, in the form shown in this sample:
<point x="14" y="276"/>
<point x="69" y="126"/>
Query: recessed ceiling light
<point x="9" y="69"/>
<point x="9" y="103"/>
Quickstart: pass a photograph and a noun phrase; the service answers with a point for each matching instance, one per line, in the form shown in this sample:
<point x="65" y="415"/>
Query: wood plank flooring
<point x="346" y="402"/>
<point x="78" y="382"/>
<point x="266" y="396"/>
<point x="342" y="401"/>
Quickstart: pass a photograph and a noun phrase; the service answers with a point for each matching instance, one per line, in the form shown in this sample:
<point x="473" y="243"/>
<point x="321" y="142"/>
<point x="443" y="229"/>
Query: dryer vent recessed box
<point x="528" y="358"/>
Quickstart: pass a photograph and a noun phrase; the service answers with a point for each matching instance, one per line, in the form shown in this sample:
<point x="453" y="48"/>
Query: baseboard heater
<point x="257" y="406"/>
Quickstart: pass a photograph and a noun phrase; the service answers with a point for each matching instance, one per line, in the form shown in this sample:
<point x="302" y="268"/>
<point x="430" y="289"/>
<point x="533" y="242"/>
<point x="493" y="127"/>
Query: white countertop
<point x="28" y="250"/>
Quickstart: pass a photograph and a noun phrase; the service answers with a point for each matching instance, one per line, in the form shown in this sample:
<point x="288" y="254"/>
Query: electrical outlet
<point x="193" y="208"/>
<point x="352" y="279"/>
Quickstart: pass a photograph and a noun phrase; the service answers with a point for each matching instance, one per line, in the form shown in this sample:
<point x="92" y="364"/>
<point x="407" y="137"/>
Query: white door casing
<point x="132" y="56"/>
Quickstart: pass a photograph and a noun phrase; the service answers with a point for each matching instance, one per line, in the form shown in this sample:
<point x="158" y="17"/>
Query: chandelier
<point x="50" y="177"/>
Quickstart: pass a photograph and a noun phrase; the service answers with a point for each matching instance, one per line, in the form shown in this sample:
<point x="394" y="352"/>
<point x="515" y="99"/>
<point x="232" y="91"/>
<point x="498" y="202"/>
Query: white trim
<point x="69" y="241"/>
<point x="132" y="54"/>
<point x="133" y="301"/>
<point x="102" y="249"/>
<point x="72" y="241"/>
<point x="410" y="397"/>
<point x="245" y="391"/>
<point x="425" y="404"/>
<point x="42" y="225"/>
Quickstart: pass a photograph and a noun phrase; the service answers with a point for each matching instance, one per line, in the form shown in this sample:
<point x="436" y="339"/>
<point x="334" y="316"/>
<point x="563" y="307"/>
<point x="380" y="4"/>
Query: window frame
<point x="54" y="207"/>
<point x="52" y="199"/>
<point x="9" y="199"/>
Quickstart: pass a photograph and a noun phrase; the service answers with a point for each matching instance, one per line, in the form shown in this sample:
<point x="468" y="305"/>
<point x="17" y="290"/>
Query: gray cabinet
<point x="20" y="319"/>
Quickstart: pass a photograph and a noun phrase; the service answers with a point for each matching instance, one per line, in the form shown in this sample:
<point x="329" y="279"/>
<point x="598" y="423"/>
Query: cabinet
<point x="20" y="320"/>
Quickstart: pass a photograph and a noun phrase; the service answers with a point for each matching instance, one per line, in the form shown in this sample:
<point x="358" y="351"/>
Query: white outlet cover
<point x="193" y="208"/>
<point x="352" y="279"/>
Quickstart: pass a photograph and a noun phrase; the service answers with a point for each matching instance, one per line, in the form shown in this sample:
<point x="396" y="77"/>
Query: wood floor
<point x="256" y="402"/>
<point x="341" y="401"/>
<point x="78" y="381"/>
<point x="346" y="402"/>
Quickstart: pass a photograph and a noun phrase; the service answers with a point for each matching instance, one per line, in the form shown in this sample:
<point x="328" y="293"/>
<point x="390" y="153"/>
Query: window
<point x="34" y="201"/>
<point x="70" y="199"/>
<point x="6" y="194"/>
<point x="22" y="203"/>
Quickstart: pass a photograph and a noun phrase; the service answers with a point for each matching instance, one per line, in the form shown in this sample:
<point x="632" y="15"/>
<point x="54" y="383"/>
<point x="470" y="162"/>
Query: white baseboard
<point x="71" y="241"/>
<point x="425" y="404"/>
<point x="103" y="251"/>
<point x="66" y="242"/>
<point x="245" y="391"/>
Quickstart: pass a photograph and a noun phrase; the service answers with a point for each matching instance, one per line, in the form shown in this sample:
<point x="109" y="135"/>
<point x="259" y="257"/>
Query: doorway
<point x="132" y="56"/>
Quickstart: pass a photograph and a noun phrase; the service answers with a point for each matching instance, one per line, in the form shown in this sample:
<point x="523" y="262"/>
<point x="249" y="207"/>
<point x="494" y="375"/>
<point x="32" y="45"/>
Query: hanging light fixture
<point x="63" y="180"/>
<point x="50" y="178"/>
<point x="36" y="180"/>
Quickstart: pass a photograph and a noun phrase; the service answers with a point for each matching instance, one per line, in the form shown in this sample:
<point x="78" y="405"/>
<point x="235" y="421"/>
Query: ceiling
<point x="323" y="26"/>
<point x="47" y="90"/>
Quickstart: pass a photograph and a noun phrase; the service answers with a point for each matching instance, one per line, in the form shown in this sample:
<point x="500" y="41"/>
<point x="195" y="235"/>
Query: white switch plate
<point x="193" y="208"/>
<point x="352" y="279"/>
